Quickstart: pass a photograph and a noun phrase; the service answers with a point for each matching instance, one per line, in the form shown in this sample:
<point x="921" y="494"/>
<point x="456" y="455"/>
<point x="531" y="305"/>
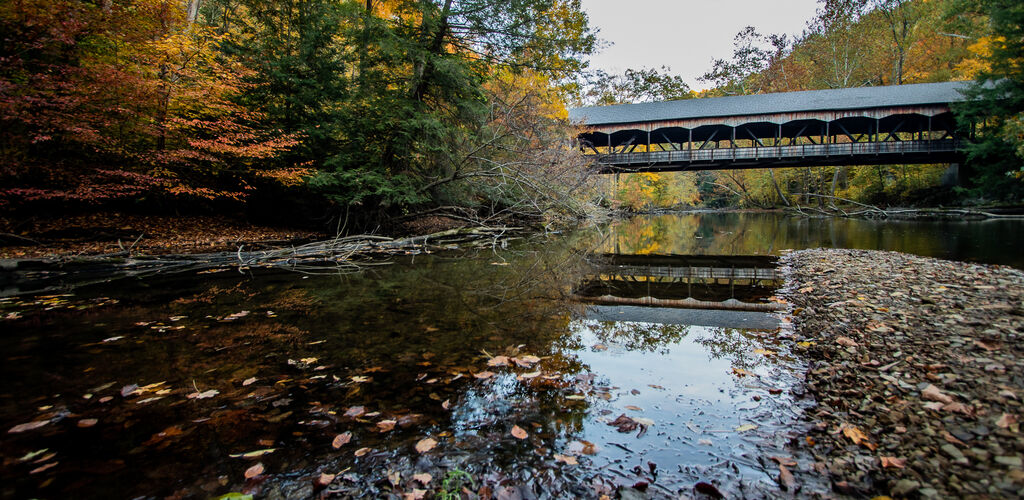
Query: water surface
<point x="174" y="386"/>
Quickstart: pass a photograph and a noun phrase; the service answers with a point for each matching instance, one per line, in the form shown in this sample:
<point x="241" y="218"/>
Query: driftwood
<point x="338" y="255"/>
<point x="873" y="212"/>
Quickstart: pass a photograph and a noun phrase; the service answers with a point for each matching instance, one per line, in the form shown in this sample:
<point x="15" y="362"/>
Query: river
<point x="641" y="355"/>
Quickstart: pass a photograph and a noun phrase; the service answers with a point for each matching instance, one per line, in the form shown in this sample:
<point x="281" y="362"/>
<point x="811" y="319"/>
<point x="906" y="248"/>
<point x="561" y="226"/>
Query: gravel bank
<point x="917" y="365"/>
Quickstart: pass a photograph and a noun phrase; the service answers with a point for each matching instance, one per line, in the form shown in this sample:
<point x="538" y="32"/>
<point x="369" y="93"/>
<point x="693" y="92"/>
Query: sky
<point x="685" y="34"/>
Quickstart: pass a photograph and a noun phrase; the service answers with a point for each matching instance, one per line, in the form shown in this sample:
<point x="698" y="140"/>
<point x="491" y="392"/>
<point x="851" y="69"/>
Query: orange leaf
<point x="341" y="440"/>
<point x="425" y="445"/>
<point x="896" y="463"/>
<point x="518" y="432"/>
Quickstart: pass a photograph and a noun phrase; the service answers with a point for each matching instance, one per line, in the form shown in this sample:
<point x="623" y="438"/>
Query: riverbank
<point x="917" y="366"/>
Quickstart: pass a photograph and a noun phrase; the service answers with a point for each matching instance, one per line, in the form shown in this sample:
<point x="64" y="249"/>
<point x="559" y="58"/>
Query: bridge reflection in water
<point x="722" y="291"/>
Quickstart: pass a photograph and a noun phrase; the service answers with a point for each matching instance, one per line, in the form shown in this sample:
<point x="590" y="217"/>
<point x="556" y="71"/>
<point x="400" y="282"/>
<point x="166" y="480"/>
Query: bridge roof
<point x="785" y="102"/>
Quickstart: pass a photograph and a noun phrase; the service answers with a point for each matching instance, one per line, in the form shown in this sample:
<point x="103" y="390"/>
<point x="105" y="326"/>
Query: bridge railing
<point x="758" y="153"/>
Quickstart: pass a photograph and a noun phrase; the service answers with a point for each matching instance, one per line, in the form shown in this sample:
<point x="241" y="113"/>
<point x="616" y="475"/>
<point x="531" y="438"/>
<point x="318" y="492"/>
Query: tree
<point x="995" y="105"/>
<point x="633" y="86"/>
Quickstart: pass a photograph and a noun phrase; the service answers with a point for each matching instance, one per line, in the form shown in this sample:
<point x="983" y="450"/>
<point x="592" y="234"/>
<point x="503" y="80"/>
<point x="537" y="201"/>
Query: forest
<point x="344" y="113"/>
<point x="852" y="43"/>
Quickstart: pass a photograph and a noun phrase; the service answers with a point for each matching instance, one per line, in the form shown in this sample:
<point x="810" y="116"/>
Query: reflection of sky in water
<point x="698" y="396"/>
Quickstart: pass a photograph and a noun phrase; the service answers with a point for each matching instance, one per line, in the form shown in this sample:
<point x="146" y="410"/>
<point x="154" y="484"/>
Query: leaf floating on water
<point x="527" y="376"/>
<point x="325" y="479"/>
<point x="893" y="462"/>
<point x="341" y="440"/>
<point x="386" y="425"/>
<point x="447" y="404"/>
<point x="355" y="412"/>
<point x="634" y="408"/>
<point x="424" y="446"/>
<point x="254" y="471"/>
<point x="526" y="360"/>
<point x="43" y="468"/>
<point x="360" y="379"/>
<point x="87" y="422"/>
<point x="204" y="395"/>
<point x="624" y="423"/>
<point x="599" y="347"/>
<point x="741" y="372"/>
<point x="361" y="451"/>
<point x="764" y="352"/>
<point x="705" y="442"/>
<point x="498" y="361"/>
<point x="746" y="427"/>
<point x="575" y="397"/>
<point x="33" y="454"/>
<point x="581" y="448"/>
<point x="484" y="375"/>
<point x="249" y="381"/>
<point x="658" y="387"/>
<point x="518" y="432"/>
<point x="568" y="460"/>
<point x="27" y="427"/>
<point x="253" y="454"/>
<point x="423" y="478"/>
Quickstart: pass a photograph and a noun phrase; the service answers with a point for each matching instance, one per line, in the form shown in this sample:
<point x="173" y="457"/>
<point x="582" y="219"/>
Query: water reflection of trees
<point x="633" y="336"/>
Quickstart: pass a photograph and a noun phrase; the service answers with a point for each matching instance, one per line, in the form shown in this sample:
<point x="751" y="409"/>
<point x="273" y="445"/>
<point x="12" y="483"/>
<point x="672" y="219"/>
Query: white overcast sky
<point x="685" y="34"/>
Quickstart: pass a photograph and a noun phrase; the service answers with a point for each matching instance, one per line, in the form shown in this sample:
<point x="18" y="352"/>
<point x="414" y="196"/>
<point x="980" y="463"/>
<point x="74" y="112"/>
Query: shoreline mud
<point x="917" y="368"/>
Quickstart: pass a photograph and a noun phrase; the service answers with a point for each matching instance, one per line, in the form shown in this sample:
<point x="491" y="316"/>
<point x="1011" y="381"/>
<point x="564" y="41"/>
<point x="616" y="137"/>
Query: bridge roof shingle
<point x="784" y="102"/>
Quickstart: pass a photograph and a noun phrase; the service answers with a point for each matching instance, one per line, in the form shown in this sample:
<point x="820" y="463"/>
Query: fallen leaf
<point x="254" y="471"/>
<point x="893" y="462"/>
<point x="325" y="479"/>
<point x="581" y="448"/>
<point x="530" y="375"/>
<point x="526" y="360"/>
<point x="498" y="361"/>
<point x="419" y="494"/>
<point x="568" y="460"/>
<point x="634" y="408"/>
<point x="846" y="341"/>
<point x="361" y="451"/>
<point x="708" y="489"/>
<point x="958" y="408"/>
<point x="27" y="427"/>
<point x="854" y="434"/>
<point x="933" y="393"/>
<point x="484" y="375"/>
<point x="355" y="412"/>
<point x="87" y="422"/>
<point x="518" y="432"/>
<point x="249" y="381"/>
<point x="741" y="372"/>
<point x="788" y="462"/>
<point x="43" y="468"/>
<point x="746" y="427"/>
<point x="386" y="425"/>
<point x="447" y="404"/>
<point x="341" y="440"/>
<point x="423" y="478"/>
<point x="1007" y="420"/>
<point x="936" y="406"/>
<point x="204" y="395"/>
<point x="425" y="445"/>
<point x="253" y="454"/>
<point x="705" y="442"/>
<point x="599" y="347"/>
<point x="786" y="478"/>
<point x="360" y="379"/>
<point x="764" y="352"/>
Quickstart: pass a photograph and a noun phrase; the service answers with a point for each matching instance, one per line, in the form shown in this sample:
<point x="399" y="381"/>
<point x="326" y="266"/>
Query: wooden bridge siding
<point x="850" y="153"/>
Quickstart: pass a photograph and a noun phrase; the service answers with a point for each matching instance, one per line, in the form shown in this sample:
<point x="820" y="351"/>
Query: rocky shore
<point x="917" y="367"/>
